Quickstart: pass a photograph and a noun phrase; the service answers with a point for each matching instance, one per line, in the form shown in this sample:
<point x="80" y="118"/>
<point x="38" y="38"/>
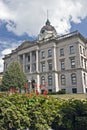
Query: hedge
<point x="42" y="113"/>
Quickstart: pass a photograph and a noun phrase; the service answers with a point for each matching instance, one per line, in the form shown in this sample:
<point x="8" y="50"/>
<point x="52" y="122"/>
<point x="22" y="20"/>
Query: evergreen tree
<point x="13" y="77"/>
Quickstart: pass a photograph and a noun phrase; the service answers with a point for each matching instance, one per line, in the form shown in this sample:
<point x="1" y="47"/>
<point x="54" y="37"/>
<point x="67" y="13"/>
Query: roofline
<point x="58" y="38"/>
<point x="75" y="33"/>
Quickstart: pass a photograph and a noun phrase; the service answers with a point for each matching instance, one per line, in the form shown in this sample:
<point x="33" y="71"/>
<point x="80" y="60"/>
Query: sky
<point x="22" y="20"/>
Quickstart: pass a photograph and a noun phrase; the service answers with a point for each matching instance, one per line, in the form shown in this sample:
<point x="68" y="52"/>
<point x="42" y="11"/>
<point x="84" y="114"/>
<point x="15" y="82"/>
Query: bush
<point x="61" y="91"/>
<point x="42" y="113"/>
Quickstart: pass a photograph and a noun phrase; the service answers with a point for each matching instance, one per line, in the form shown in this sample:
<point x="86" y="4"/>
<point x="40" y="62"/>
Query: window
<point x="50" y="90"/>
<point x="49" y="65"/>
<point x="49" y="80"/>
<point x="72" y="50"/>
<point x="43" y="54"/>
<point x="85" y="63"/>
<point x="62" y="52"/>
<point x="81" y="61"/>
<point x="63" y="80"/>
<point x="83" y="51"/>
<point x="80" y="49"/>
<point x="86" y="90"/>
<point x="74" y="90"/>
<point x="73" y="78"/>
<point x="42" y="31"/>
<point x="72" y="62"/>
<point x="84" y="78"/>
<point x="42" y="80"/>
<point x="28" y="58"/>
<point x="34" y="56"/>
<point x="43" y="67"/>
<point x="62" y="65"/>
<point x="50" y="53"/>
<point x="27" y="68"/>
<point x="33" y="67"/>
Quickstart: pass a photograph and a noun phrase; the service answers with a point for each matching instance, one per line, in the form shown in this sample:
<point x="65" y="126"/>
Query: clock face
<point x="42" y="31"/>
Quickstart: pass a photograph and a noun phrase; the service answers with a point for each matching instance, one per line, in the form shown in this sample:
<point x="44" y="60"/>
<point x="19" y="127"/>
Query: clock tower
<point x="47" y="31"/>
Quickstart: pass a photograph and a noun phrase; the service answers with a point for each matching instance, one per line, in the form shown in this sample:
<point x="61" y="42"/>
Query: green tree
<point x="13" y="77"/>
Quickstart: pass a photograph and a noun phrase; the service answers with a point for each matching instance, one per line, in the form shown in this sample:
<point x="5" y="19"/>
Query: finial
<point x="47" y="22"/>
<point x="47" y="13"/>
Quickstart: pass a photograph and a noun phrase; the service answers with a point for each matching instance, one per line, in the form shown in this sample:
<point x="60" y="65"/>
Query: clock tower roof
<point x="47" y="31"/>
<point x="47" y="27"/>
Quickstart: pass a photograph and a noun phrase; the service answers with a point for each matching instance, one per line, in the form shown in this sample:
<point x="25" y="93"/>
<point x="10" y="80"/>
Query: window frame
<point x="43" y="67"/>
<point x="62" y="62"/>
<point x="62" y="52"/>
<point x="74" y="90"/>
<point x="72" y="49"/>
<point x="50" y="52"/>
<point x="73" y="79"/>
<point x="63" y="79"/>
<point x="72" y="61"/>
<point x="50" y="80"/>
<point x="42" y="54"/>
<point x="49" y="65"/>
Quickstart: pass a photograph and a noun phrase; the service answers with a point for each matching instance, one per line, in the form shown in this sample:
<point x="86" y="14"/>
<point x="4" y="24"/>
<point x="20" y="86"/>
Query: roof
<point x="48" y="26"/>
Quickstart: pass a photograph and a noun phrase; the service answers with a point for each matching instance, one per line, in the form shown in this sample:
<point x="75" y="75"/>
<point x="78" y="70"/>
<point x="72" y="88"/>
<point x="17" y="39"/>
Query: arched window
<point x="84" y="75"/>
<point x="63" y="80"/>
<point x="42" y="80"/>
<point x="50" y="80"/>
<point x="73" y="78"/>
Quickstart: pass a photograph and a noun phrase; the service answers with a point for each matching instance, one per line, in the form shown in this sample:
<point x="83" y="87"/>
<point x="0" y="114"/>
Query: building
<point x="1" y="76"/>
<point x="60" y="62"/>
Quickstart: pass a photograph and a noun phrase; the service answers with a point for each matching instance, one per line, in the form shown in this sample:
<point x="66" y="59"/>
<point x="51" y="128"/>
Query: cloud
<point x="28" y="17"/>
<point x="4" y="52"/>
<point x="1" y="65"/>
<point x="25" y="16"/>
<point x="4" y="12"/>
<point x="6" y="46"/>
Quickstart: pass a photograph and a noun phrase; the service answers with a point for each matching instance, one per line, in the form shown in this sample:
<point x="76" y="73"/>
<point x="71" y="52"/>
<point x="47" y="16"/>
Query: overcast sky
<point x="22" y="20"/>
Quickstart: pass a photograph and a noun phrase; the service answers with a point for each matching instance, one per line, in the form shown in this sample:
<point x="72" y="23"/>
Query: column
<point x="56" y="82"/>
<point x="54" y="58"/>
<point x="23" y="62"/>
<point x="38" y="82"/>
<point x="37" y="61"/>
<point x="30" y="62"/>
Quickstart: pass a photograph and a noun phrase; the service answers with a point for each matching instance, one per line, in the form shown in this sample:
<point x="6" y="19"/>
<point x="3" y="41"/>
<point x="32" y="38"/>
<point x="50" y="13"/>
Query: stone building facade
<point x="60" y="62"/>
<point x="1" y="76"/>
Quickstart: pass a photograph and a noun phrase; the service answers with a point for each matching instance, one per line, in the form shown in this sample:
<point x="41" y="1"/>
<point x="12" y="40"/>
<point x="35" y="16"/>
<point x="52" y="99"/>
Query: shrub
<point x="61" y="91"/>
<point x="42" y="113"/>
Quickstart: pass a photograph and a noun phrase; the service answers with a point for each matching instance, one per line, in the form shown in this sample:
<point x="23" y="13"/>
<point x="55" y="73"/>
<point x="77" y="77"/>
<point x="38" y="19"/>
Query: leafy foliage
<point x="13" y="77"/>
<point x="42" y="113"/>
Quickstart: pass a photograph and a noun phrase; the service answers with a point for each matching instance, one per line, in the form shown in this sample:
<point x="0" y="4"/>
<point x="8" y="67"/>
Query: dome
<point x="47" y="31"/>
<point x="47" y="27"/>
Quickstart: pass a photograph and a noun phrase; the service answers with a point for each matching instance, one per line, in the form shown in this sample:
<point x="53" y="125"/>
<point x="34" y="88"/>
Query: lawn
<point x="69" y="96"/>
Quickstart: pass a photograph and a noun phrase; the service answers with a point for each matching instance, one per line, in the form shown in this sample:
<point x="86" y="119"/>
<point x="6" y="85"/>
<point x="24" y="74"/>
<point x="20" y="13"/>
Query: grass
<point x="69" y="96"/>
<point x="61" y="96"/>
